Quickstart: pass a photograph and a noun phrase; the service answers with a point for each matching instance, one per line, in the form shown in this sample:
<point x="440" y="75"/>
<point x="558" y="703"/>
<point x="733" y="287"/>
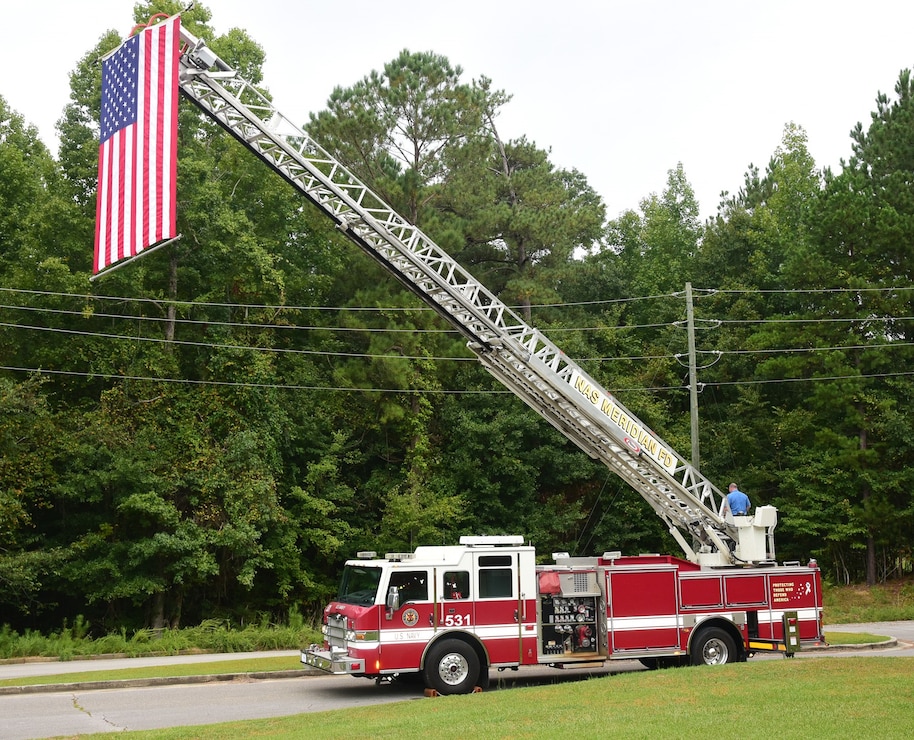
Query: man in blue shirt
<point x="738" y="502"/>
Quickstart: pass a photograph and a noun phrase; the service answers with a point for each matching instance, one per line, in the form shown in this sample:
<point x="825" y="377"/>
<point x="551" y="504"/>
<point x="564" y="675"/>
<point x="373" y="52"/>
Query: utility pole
<point x="693" y="379"/>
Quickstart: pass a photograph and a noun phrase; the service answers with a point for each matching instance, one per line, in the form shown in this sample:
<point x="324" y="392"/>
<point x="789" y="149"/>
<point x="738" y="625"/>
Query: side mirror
<point x="393" y="600"/>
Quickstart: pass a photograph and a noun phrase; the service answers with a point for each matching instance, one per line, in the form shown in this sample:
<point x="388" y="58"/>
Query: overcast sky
<point x="621" y="91"/>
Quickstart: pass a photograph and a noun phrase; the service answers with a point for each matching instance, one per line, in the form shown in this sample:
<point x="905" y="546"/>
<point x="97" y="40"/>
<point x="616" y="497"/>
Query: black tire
<point x="452" y="667"/>
<point x="713" y="646"/>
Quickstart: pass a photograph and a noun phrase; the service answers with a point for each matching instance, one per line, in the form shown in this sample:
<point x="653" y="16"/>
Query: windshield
<point x="359" y="585"/>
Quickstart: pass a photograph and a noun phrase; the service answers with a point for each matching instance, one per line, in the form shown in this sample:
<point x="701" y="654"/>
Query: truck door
<point x="406" y="630"/>
<point x="455" y="599"/>
<point x="499" y="610"/>
<point x="643" y="609"/>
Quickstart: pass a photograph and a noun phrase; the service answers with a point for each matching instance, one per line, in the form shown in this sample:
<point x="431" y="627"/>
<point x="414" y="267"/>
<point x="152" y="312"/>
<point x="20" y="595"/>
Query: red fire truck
<point x="450" y="613"/>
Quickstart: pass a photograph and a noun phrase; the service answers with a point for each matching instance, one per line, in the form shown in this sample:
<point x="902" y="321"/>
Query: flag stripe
<point x="145" y="134"/>
<point x="137" y="165"/>
<point x="170" y="134"/>
<point x="155" y="83"/>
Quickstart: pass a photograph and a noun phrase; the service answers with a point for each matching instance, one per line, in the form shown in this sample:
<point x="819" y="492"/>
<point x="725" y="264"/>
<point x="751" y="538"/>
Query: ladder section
<point x="680" y="496"/>
<point x="518" y="355"/>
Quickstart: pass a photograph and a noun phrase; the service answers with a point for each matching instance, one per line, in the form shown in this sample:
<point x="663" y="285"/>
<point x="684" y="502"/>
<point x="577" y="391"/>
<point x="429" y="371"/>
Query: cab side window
<point x="412" y="584"/>
<point x="456" y="585"/>
<point x="496" y="577"/>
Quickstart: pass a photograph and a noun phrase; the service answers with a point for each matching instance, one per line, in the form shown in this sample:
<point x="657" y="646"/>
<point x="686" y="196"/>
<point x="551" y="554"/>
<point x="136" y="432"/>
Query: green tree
<point x="393" y="128"/>
<point x="179" y="490"/>
<point x="521" y="218"/>
<point x="864" y="228"/>
<point x="28" y="437"/>
<point x="653" y="254"/>
<point x="658" y="246"/>
<point x="755" y="256"/>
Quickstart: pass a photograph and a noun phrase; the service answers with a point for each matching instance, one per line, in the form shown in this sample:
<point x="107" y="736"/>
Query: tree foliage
<point x="213" y="429"/>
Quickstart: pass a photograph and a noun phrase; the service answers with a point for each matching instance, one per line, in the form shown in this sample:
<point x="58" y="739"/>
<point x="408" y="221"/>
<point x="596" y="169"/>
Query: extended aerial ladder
<point x="518" y="355"/>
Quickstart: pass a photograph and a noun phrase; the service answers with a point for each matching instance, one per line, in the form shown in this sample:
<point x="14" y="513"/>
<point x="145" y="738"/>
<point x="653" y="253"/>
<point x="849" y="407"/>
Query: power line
<point x="211" y="304"/>
<point x="708" y="292"/>
<point x="247" y="325"/>
<point x="235" y="384"/>
<point x="786" y="350"/>
<point x="286" y="350"/>
<point x="716" y="353"/>
<point x="370" y="355"/>
<point x="861" y="320"/>
<point x="215" y="345"/>
<point x="862" y="376"/>
<point x="697" y="292"/>
<point x="434" y="391"/>
<point x="552" y="329"/>
<point x="213" y="322"/>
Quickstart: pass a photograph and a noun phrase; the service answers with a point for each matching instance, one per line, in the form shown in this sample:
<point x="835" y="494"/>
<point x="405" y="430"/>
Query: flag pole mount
<point x="133" y="259"/>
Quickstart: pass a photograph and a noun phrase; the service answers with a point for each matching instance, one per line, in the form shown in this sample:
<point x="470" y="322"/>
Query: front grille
<point x="336" y="630"/>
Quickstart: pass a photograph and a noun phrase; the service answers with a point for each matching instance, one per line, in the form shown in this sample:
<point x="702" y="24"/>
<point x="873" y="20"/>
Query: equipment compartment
<point x="569" y="625"/>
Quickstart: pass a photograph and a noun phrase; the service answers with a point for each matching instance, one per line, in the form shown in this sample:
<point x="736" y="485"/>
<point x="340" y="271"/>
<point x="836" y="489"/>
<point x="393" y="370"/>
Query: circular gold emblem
<point x="410" y="617"/>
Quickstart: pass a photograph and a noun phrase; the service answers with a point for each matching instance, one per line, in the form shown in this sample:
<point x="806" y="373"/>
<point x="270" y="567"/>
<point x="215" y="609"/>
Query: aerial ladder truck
<point x="554" y="386"/>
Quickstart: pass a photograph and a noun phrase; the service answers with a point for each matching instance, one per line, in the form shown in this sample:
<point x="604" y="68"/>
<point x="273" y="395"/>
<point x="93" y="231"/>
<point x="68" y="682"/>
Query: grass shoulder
<point x="238" y="666"/>
<point x="853" y="604"/>
<point x="853" y="638"/>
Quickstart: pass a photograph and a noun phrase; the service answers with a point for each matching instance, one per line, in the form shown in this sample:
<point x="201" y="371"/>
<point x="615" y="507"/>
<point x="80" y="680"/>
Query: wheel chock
<point x="434" y="692"/>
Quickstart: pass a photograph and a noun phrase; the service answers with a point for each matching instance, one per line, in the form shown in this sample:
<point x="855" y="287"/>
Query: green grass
<point x="244" y="665"/>
<point x="886" y="602"/>
<point x="853" y="638"/>
<point x="800" y="698"/>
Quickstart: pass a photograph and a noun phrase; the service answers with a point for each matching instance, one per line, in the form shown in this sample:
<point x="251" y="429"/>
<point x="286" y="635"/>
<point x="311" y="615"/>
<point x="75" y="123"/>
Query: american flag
<point x="137" y="156"/>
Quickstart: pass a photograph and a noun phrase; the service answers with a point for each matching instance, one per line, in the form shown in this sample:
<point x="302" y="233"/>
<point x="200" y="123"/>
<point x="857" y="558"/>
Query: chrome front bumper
<point x="332" y="661"/>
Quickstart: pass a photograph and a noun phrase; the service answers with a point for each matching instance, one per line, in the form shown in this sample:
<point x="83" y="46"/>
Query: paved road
<point x="903" y="631"/>
<point x="73" y="711"/>
<point x="112" y="710"/>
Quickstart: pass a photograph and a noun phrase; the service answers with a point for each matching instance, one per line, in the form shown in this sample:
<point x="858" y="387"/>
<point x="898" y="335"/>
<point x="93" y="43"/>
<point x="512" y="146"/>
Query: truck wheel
<point x="713" y="646"/>
<point x="452" y="667"/>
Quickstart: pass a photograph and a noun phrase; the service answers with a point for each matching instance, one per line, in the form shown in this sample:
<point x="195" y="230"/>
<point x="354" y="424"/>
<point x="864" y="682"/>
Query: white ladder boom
<point x="518" y="355"/>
